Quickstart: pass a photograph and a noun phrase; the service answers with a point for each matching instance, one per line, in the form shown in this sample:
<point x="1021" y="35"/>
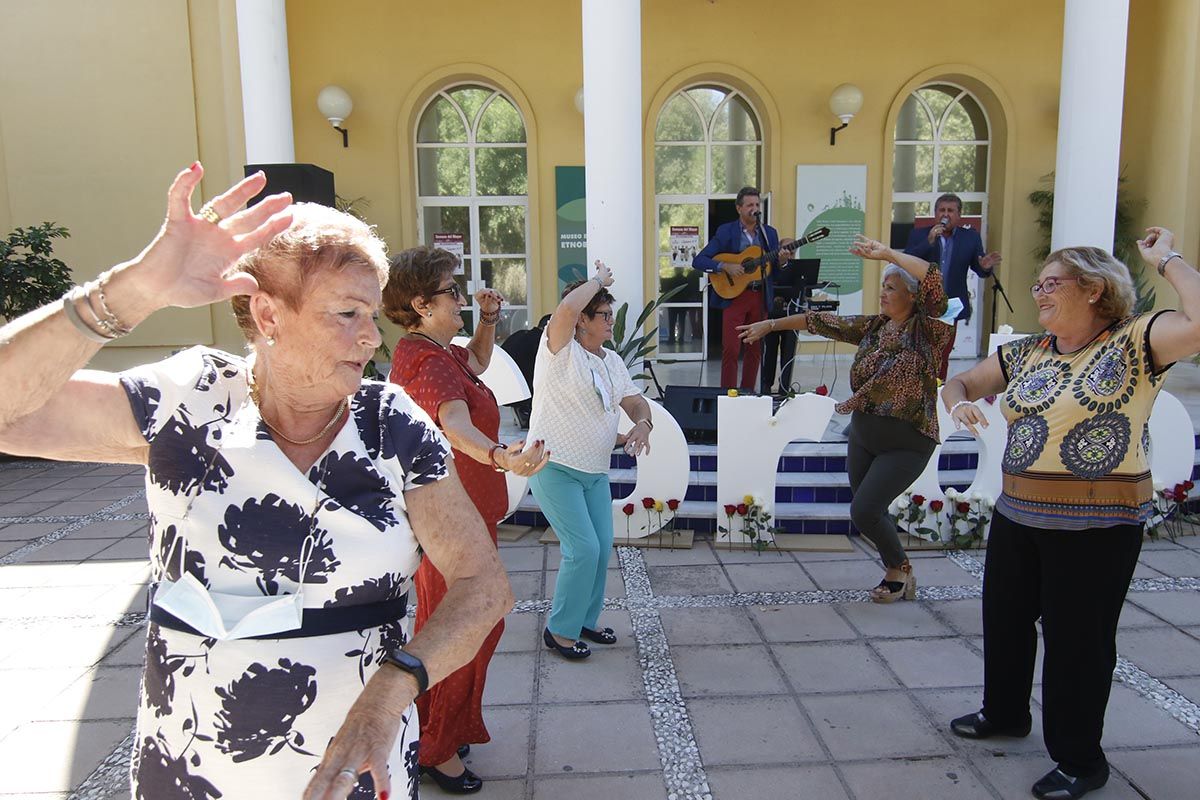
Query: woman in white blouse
<point x="580" y="388"/>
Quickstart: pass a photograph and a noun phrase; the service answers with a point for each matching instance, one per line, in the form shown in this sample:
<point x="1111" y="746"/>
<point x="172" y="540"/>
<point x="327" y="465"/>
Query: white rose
<point x="952" y="493"/>
<point x="1005" y="329"/>
<point x="903" y="503"/>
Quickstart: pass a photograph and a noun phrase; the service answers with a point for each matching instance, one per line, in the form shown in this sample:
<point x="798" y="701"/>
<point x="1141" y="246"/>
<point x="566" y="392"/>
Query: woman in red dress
<point x="423" y="297"/>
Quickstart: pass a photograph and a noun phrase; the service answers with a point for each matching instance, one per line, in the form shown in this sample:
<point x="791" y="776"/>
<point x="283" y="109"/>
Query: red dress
<point x="451" y="712"/>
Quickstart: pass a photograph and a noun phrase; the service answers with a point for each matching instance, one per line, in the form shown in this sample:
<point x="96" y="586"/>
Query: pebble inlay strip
<point x="109" y="779"/>
<point x="103" y="515"/>
<point x="683" y="768"/>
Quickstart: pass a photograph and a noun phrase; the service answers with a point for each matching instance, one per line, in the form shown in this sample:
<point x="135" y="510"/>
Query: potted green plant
<point x="30" y="275"/>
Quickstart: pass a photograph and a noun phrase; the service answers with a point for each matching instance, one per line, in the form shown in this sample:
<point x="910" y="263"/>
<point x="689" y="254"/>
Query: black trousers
<point x="1076" y="582"/>
<point x="884" y="455"/>
<point x="776" y="346"/>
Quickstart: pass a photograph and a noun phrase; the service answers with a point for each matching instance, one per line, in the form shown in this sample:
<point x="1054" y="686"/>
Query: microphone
<point x="944" y="221"/>
<point x="757" y="214"/>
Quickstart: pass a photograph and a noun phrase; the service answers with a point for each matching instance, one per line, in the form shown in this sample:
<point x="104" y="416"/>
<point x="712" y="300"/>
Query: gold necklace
<point x="337" y="415"/>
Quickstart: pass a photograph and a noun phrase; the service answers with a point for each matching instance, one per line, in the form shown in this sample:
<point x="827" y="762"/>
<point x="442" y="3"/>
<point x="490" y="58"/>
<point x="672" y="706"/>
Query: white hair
<point x="910" y="283"/>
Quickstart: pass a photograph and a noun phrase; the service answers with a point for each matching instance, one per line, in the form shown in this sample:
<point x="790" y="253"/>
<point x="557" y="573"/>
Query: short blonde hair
<point x="320" y="239"/>
<point x="1099" y="269"/>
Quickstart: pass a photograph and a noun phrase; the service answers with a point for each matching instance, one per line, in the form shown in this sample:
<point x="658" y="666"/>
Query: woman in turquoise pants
<point x="580" y="389"/>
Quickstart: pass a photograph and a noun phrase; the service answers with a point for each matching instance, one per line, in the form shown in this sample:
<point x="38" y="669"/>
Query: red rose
<point x="935" y="505"/>
<point x="1181" y="489"/>
<point x="730" y="508"/>
<point x="1170" y="494"/>
<point x="742" y="509"/>
<point x="628" y="509"/>
<point x="672" y="504"/>
<point x="821" y="390"/>
<point x="963" y="507"/>
<point x="1189" y="485"/>
<point x="647" y="502"/>
<point x="918" y="500"/>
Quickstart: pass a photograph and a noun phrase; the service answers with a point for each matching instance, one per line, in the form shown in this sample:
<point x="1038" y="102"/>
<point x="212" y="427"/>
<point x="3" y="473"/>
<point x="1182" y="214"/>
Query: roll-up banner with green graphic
<point x="569" y="193"/>
<point x="834" y="196"/>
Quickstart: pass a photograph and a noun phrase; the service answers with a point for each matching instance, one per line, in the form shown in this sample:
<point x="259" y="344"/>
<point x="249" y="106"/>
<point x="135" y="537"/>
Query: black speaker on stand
<point x="307" y="183"/>
<point x="695" y="409"/>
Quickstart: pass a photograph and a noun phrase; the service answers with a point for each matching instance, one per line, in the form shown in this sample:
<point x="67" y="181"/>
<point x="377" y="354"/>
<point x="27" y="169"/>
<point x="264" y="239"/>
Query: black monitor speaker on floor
<point x="308" y="183"/>
<point x="695" y="409"/>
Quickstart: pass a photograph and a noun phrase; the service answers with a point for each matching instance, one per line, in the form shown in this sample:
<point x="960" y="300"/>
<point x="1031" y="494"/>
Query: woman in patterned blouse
<point x="1067" y="529"/>
<point x="279" y="482"/>
<point x="893" y="426"/>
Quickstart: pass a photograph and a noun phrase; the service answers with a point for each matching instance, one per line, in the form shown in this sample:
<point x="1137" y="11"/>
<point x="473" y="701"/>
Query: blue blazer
<point x="728" y="239"/>
<point x="968" y="249"/>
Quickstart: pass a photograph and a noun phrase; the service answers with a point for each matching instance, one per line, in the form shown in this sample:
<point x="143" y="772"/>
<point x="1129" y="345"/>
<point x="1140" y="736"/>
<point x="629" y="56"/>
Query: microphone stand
<point x="762" y="235"/>
<point x="998" y="288"/>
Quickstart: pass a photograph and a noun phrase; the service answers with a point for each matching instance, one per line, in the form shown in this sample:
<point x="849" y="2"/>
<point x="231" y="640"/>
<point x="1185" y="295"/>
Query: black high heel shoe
<point x="602" y="636"/>
<point x="466" y="783"/>
<point x="573" y="653"/>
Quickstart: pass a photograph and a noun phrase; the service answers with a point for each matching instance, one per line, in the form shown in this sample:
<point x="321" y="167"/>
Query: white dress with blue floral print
<point x="252" y="717"/>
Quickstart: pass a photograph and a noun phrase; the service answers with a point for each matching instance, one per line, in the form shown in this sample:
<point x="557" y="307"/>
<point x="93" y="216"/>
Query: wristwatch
<point x="410" y="664"/>
<point x="1162" y="262"/>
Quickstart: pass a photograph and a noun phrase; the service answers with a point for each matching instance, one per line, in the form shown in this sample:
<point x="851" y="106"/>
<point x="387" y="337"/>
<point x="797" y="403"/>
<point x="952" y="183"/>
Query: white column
<point x="1089" y="122"/>
<point x="612" y="132"/>
<point x="266" y="82"/>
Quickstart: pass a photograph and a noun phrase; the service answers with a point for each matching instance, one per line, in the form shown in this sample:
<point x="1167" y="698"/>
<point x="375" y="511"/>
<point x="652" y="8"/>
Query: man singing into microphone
<point x="954" y="249"/>
<point x="751" y="305"/>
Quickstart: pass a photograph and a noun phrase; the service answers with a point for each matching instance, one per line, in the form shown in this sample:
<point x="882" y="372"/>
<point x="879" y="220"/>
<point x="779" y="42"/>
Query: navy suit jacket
<point x="728" y="239"/>
<point x="968" y="249"/>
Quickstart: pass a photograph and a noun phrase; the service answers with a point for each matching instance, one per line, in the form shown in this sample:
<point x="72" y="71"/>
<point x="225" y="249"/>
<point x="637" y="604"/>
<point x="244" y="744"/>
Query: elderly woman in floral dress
<point x="290" y="502"/>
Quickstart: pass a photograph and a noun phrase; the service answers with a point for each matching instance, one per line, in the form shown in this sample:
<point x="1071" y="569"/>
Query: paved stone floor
<point x="737" y="676"/>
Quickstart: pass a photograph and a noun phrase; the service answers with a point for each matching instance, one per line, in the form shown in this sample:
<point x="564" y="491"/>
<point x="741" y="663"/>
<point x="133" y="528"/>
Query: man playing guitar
<point x="751" y="304"/>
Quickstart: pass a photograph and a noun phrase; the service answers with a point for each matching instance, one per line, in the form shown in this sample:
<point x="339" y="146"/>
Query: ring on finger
<point x="352" y="773"/>
<point x="209" y="214"/>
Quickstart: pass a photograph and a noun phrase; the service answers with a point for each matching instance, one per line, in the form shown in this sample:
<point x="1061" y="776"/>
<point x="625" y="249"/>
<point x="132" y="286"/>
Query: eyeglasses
<point x="607" y="316"/>
<point x="452" y="290"/>
<point x="1049" y="285"/>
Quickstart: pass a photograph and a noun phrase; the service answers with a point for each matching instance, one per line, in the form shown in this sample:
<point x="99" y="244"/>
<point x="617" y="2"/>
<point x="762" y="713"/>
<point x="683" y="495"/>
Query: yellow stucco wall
<point x="391" y="59"/>
<point x="100" y="104"/>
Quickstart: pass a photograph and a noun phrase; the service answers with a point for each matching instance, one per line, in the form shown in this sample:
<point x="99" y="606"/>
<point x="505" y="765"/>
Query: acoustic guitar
<point x="756" y="263"/>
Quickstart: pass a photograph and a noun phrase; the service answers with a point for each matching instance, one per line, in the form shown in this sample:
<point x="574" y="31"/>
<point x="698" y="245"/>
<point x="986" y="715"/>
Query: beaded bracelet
<point x="112" y="324"/>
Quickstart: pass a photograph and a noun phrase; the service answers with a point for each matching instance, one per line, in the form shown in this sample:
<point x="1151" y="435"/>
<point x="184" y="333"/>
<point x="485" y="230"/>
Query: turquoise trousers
<point x="578" y="505"/>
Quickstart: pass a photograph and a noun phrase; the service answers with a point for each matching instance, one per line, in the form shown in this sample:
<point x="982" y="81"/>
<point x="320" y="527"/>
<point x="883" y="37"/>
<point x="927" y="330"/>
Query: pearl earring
<point x="1092" y="300"/>
<point x="270" y="341"/>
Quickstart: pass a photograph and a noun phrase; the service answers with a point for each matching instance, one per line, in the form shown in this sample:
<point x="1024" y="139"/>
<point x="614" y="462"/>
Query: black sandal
<point x="602" y="636"/>
<point x="573" y="653"/>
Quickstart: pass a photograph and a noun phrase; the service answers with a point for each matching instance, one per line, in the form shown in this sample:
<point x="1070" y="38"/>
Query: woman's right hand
<point x="604" y="274"/>
<point x="188" y="263"/>
<point x="524" y="462"/>
<point x="1156" y="245"/>
<point x="754" y="331"/>
<point x="968" y="415"/>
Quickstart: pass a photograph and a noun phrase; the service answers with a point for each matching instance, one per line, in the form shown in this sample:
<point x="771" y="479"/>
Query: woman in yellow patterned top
<point x="893" y="428"/>
<point x="1068" y="525"/>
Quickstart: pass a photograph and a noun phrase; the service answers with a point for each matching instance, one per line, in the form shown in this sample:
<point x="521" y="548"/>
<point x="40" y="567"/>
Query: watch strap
<point x="1162" y="262"/>
<point x="410" y="664"/>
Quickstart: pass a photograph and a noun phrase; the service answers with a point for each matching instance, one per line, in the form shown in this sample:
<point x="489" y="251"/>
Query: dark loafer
<point x="466" y="783"/>
<point x="603" y="636"/>
<point x="1058" y="785"/>
<point x="573" y="653"/>
<point x="977" y="726"/>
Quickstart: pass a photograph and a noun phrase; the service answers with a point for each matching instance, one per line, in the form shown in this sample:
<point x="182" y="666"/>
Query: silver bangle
<point x="1162" y="262"/>
<point x="72" y="314"/>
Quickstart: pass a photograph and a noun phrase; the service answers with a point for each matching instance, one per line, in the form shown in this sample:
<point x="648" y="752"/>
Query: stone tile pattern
<point x="799" y="687"/>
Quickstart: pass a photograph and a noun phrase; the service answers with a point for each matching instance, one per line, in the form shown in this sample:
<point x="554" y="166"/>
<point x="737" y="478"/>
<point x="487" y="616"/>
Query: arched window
<point x="473" y="182"/>
<point x="942" y="141"/>
<point x="707" y="145"/>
